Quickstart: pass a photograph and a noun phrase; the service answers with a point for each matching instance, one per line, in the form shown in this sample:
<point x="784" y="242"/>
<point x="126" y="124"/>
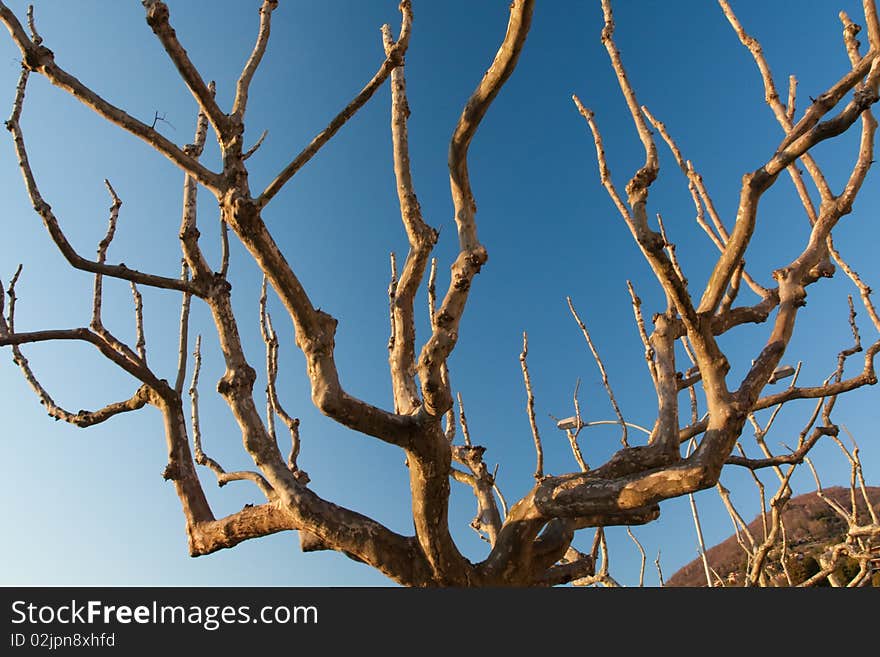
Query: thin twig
<point x="498" y="492"/>
<point x="699" y="528"/>
<point x="530" y="408"/>
<point x="274" y="407"/>
<point x="183" y="341"/>
<point x="392" y="293"/>
<point x="670" y="250"/>
<point x="642" y="552"/>
<point x="224" y="248"/>
<point x="253" y="149"/>
<point x="462" y="418"/>
<point x="643" y="334"/>
<point x="572" y="434"/>
<point x="623" y="438"/>
<point x="201" y="458"/>
<point x="103" y="245"/>
<point x="432" y="291"/>
<point x="141" y="344"/>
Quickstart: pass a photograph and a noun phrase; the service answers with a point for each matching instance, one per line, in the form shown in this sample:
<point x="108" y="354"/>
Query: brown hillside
<point x="810" y="525"/>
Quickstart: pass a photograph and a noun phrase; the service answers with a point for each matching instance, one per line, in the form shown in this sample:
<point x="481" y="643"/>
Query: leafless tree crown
<point x="529" y="541"/>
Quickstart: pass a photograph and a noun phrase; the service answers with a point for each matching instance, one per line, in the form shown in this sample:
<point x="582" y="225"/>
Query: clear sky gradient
<point x="90" y="506"/>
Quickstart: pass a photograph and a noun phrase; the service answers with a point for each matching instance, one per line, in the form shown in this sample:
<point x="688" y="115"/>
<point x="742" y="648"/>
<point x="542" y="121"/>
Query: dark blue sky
<point x="90" y="507"/>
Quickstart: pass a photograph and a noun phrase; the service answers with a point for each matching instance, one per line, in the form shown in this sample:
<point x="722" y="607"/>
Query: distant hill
<point x="810" y="526"/>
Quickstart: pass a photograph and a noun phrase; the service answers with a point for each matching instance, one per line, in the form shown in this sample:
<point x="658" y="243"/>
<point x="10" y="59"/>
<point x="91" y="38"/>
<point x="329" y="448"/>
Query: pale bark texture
<point x="529" y="542"/>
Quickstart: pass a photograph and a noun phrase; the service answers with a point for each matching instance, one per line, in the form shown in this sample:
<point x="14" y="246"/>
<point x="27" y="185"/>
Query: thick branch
<point x="472" y="255"/>
<point x="139" y="372"/>
<point x="247" y="74"/>
<point x="339" y="528"/>
<point x="665" y="432"/>
<point x="251" y="522"/>
<point x="806" y="134"/>
<point x="392" y="61"/>
<point x="315" y="333"/>
<point x="501" y="69"/>
<point x="40" y="59"/>
<point x="158" y="20"/>
<point x="868" y="376"/>
<point x="81" y="418"/>
<point x="488" y="520"/>
<point x="565" y="573"/>
<point x="422" y="237"/>
<point x="51" y="223"/>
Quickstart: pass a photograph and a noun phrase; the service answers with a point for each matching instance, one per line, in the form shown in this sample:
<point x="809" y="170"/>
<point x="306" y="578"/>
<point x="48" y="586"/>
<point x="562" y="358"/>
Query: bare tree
<point x="530" y="541"/>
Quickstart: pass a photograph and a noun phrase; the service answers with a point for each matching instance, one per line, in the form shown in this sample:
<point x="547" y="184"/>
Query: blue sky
<point x="90" y="506"/>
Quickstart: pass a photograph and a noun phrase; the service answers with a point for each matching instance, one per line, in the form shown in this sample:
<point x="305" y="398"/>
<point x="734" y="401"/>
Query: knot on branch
<point x="189" y="233"/>
<point x="37" y="57"/>
<point x="851" y="28"/>
<point x="234" y="380"/>
<point x="234" y="129"/>
<point x="829" y="430"/>
<point x="396" y="55"/>
<point x="721" y="365"/>
<point x="824" y="269"/>
<point x="321" y="341"/>
<point x="780" y="275"/>
<point x="650" y="240"/>
<point x="791" y="290"/>
<point x="642" y="180"/>
<point x="471" y="456"/>
<point x="219" y="284"/>
<point x="82" y="419"/>
<point x="781" y="501"/>
<point x="443" y="319"/>
<point x="407" y="112"/>
<point x="759" y="179"/>
<point x="479" y="525"/>
<point x="462" y="283"/>
<point x="171" y="472"/>
<point x="157" y="12"/>
<point x="864" y="97"/>
<point x="327" y="324"/>
<point x="244" y="210"/>
<point x="42" y="208"/>
<point x="477" y="257"/>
